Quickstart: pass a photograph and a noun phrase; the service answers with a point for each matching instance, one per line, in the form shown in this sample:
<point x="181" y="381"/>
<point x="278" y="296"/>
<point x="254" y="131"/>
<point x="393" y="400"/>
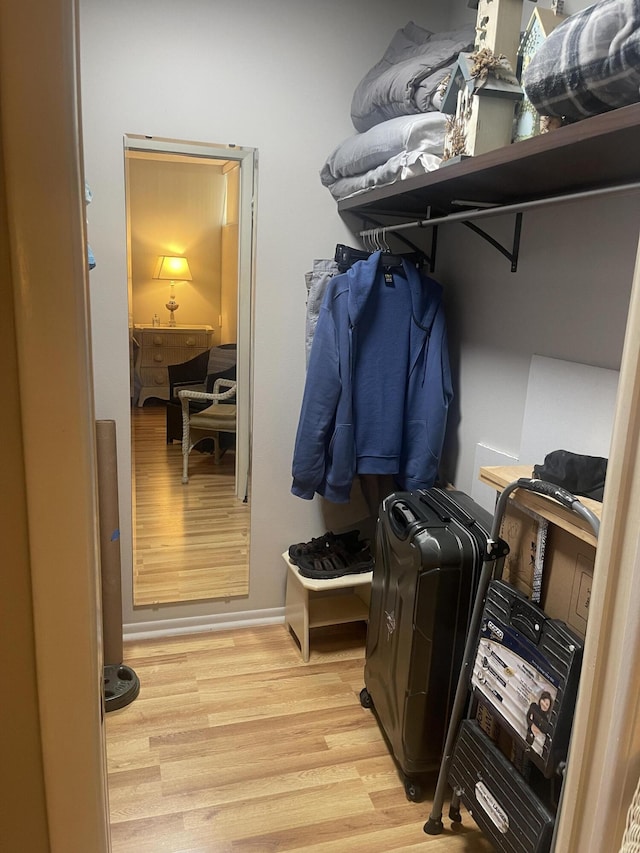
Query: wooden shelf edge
<point x="553" y="163"/>
<point x="499" y="476"/>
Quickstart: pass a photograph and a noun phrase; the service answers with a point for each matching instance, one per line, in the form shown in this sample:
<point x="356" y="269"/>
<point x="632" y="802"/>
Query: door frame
<point x="47" y="274"/>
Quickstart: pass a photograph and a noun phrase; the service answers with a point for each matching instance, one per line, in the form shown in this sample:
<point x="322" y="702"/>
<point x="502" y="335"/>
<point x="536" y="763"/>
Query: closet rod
<point x="499" y="210"/>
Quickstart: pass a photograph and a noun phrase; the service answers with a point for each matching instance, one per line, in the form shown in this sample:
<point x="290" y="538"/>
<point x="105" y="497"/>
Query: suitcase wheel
<point x="413" y="790"/>
<point x="365" y="698"/>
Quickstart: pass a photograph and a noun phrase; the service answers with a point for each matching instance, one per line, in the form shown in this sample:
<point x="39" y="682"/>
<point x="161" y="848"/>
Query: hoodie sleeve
<point x="318" y="410"/>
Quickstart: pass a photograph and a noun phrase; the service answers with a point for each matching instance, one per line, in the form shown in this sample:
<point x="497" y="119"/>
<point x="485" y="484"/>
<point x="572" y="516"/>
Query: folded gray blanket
<point x="392" y="150"/>
<point x="406" y="80"/>
<point x="362" y="152"/>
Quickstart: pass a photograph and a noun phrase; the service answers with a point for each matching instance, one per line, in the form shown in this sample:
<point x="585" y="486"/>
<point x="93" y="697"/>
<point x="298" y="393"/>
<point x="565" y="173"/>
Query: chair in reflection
<point x="218" y="418"/>
<point x="197" y="374"/>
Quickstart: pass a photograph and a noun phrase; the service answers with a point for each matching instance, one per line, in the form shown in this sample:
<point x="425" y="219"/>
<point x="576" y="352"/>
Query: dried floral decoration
<point x="456" y="138"/>
<point x="485" y="63"/>
<point x="442" y="85"/>
<point x="548" y="123"/>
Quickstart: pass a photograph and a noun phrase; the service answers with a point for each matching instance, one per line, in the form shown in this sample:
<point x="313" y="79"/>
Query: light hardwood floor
<point x="191" y="540"/>
<point x="234" y="745"/>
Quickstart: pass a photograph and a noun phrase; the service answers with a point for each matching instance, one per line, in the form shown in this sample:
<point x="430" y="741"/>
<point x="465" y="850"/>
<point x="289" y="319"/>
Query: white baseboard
<point x="198" y="624"/>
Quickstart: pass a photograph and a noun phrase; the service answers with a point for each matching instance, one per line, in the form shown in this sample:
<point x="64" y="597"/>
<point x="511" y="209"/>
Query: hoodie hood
<point x="360" y="279"/>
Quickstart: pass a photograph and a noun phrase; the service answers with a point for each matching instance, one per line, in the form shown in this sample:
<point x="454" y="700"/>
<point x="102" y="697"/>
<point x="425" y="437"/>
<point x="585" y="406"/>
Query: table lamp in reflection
<point x="174" y="269"/>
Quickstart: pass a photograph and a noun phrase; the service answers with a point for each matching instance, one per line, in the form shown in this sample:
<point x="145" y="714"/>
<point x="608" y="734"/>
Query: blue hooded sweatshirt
<point x="378" y="383"/>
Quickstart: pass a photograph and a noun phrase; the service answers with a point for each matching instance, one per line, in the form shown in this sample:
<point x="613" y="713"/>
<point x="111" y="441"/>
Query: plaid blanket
<point x="589" y="64"/>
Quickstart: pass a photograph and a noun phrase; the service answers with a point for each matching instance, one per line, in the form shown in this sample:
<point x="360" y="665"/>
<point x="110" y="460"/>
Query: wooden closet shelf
<point x="597" y="152"/>
<point x="499" y="476"/>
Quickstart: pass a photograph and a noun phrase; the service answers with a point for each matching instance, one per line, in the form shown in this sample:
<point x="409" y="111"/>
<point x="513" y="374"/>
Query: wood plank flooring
<point x="234" y="745"/>
<point x="191" y="541"/>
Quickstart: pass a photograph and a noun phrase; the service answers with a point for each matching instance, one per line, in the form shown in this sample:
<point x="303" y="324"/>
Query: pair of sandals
<point x="332" y="556"/>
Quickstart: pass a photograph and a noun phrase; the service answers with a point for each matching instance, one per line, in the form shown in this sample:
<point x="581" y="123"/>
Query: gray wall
<point x="568" y="300"/>
<point x="277" y="76"/>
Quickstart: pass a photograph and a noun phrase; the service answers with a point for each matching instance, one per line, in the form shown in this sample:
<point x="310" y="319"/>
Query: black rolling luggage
<point x="430" y="546"/>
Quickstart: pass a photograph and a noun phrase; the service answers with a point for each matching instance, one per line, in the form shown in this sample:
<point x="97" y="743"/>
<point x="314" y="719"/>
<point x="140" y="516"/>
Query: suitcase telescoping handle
<point x="404" y="518"/>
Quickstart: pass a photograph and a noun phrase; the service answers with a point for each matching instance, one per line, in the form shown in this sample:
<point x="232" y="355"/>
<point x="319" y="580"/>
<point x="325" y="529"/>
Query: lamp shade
<point x="172" y="268"/>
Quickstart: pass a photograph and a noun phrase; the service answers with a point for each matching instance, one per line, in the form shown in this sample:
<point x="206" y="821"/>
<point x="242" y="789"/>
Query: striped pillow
<point x="589" y="64"/>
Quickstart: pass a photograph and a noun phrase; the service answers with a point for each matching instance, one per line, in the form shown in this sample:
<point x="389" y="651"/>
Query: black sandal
<point x="324" y="545"/>
<point x="336" y="564"/>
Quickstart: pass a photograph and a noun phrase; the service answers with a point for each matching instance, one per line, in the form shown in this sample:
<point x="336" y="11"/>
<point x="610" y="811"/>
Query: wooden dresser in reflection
<point x="160" y="346"/>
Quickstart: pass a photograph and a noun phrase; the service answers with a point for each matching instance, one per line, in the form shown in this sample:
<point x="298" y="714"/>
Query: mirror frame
<point x="247" y="158"/>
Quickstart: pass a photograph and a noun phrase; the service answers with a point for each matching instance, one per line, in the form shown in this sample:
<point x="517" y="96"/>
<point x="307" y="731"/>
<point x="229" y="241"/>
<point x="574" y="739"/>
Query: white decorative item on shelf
<point x="498" y="27"/>
<point x="483" y="89"/>
<point x="481" y="104"/>
<point x="541" y="23"/>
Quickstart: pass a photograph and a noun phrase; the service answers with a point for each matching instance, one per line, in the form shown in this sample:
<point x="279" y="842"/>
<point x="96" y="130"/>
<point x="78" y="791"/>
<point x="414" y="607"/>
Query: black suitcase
<point x="430" y="546"/>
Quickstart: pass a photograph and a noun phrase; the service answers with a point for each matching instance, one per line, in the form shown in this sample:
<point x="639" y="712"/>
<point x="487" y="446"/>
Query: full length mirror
<point x="190" y="209"/>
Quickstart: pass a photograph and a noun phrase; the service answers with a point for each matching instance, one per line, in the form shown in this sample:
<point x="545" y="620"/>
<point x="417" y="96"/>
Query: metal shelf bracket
<point x="515" y="247"/>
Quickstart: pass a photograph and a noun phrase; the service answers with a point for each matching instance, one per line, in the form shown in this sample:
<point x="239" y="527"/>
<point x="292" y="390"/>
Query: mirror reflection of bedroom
<point x="189" y="412"/>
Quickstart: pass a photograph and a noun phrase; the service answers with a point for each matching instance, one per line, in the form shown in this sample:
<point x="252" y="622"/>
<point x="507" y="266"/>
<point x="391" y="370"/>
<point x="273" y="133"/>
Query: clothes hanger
<point x="418" y="257"/>
<point x="389" y="260"/>
<point x="375" y="240"/>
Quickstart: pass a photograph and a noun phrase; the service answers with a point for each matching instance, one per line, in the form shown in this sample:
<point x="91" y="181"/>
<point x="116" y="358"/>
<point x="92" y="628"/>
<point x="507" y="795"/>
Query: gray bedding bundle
<point x="395" y="109"/>
<point x="406" y="79"/>
<point x="589" y="64"/>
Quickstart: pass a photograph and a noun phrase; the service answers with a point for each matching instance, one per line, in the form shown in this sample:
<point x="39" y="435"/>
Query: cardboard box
<point x="568" y="573"/>
<point x="526" y="534"/>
